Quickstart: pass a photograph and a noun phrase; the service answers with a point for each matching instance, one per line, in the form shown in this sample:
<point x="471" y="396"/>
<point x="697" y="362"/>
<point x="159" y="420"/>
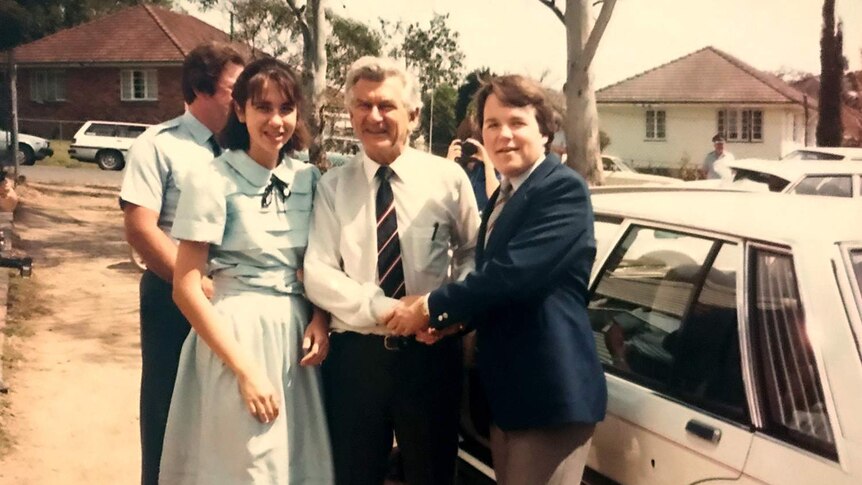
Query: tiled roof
<point x="143" y="33"/>
<point x="705" y="76"/>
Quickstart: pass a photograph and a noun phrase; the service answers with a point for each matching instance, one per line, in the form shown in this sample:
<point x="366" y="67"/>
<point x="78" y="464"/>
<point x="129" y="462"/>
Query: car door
<point x="665" y="310"/>
<point x="797" y="428"/>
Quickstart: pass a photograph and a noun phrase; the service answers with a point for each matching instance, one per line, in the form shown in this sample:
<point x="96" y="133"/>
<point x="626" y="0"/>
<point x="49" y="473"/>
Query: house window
<point x="139" y="85"/>
<point x="655" y="124"/>
<point x="47" y="86"/>
<point x="741" y="125"/>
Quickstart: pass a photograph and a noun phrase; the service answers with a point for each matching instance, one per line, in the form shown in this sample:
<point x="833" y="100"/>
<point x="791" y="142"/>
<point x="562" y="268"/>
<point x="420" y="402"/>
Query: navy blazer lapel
<point x="515" y="205"/>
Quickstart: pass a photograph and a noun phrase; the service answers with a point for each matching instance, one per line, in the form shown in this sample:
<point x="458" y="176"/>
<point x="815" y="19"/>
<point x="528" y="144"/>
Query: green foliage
<point x="445" y="123"/>
<point x="433" y="52"/>
<point x="28" y="20"/>
<point x="349" y="41"/>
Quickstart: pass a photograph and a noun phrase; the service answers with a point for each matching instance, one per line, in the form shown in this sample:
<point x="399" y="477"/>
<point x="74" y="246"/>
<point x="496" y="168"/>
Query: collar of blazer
<point x="504" y="228"/>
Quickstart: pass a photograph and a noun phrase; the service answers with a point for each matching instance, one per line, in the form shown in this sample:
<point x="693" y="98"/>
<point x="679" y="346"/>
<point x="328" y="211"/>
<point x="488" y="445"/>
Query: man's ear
<point x="413" y="118"/>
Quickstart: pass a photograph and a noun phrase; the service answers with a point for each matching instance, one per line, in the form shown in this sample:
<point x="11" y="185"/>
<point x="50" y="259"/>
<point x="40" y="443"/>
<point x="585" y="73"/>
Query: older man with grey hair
<point x="392" y="222"/>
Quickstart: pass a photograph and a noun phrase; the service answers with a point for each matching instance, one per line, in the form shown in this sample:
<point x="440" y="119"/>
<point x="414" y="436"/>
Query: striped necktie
<point x="505" y="193"/>
<point x="389" y="268"/>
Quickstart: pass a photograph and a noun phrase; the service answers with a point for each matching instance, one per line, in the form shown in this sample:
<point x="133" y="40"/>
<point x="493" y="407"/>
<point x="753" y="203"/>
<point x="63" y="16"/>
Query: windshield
<point x="811" y="155"/>
<point x="752" y="179"/>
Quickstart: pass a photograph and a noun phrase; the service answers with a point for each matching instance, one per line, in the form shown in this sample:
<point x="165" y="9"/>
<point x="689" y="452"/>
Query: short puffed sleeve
<point x="201" y="211"/>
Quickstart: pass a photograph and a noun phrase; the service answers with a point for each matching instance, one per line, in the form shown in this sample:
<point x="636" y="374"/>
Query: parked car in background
<point x="729" y="325"/>
<point x="825" y="153"/>
<point x="30" y="148"/>
<point x="105" y="142"/>
<point x="807" y="177"/>
<point x="618" y="172"/>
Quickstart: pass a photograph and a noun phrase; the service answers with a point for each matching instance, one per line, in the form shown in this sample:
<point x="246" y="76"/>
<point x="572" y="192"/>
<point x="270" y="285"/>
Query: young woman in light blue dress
<point x="247" y="405"/>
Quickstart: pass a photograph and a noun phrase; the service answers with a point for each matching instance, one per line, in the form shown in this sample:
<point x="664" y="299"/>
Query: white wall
<point x="689" y="131"/>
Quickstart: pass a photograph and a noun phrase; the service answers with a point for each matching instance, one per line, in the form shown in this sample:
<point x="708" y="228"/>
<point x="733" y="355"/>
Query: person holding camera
<point x="471" y="155"/>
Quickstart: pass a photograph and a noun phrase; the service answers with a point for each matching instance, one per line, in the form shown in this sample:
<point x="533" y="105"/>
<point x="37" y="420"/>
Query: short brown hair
<point x="518" y="91"/>
<point x="203" y="66"/>
<point x="249" y="86"/>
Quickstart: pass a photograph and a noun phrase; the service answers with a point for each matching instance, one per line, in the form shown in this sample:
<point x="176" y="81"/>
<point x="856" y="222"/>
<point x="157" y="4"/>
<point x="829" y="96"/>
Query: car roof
<point x="793" y="169"/>
<point x="856" y="153"/>
<point x="128" y="123"/>
<point x="782" y="218"/>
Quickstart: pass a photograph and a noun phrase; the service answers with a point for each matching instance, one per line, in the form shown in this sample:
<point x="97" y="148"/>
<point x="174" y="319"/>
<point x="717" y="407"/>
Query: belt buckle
<point x="393" y="342"/>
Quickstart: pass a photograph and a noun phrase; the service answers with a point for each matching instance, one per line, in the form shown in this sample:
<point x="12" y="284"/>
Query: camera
<point x="468" y="151"/>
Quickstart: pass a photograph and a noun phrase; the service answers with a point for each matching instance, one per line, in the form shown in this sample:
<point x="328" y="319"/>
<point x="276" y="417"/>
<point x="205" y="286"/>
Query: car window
<point x="663" y="314"/>
<point x="827" y="185"/>
<point x="812" y="155"/>
<point x="856" y="265"/>
<point x="605" y="230"/>
<point x="130" y="131"/>
<point x="759" y="180"/>
<point x="608" y="165"/>
<point x="101" y="129"/>
<point x="788" y="383"/>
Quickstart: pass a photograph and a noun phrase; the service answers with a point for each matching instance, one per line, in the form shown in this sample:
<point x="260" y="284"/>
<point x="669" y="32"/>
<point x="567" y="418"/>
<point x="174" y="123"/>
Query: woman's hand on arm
<point x="255" y="387"/>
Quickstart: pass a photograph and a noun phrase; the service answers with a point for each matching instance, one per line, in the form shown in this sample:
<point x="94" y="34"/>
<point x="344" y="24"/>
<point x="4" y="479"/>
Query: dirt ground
<point x="72" y="411"/>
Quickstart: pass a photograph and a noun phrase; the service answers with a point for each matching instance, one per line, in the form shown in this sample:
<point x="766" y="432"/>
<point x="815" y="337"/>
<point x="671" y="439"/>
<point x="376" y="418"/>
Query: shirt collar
<point x="402" y="166"/>
<point x="518" y="180"/>
<point x="255" y="173"/>
<point x="199" y="132"/>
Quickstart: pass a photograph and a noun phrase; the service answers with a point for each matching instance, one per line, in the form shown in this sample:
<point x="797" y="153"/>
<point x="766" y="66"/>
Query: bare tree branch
<point x="552" y="4"/>
<point x="300" y="19"/>
<point x="597" y="32"/>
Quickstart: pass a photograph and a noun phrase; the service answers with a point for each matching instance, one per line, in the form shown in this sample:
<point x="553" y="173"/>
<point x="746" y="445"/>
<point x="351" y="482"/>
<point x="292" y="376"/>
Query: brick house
<point x="126" y="66"/>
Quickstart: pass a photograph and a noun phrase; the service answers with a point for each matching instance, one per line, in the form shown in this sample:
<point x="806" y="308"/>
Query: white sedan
<point x="808" y="177"/>
<point x="730" y="326"/>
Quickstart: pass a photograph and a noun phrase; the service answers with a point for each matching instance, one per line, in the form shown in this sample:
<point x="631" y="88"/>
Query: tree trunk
<point x="13" y="103"/>
<point x="830" y="132"/>
<point x="314" y="75"/>
<point x="582" y="128"/>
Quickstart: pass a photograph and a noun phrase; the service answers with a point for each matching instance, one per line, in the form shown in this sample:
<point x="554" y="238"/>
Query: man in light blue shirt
<point x="158" y="163"/>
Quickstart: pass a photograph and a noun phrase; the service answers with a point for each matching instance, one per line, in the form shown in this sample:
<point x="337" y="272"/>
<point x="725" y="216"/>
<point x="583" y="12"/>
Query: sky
<point x="524" y="36"/>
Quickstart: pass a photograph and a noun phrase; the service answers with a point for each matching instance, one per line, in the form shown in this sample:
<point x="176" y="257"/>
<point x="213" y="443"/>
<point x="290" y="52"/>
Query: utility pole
<point x="13" y="100"/>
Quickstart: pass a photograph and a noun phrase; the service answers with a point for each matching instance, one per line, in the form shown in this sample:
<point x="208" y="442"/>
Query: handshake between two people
<point x="408" y="318"/>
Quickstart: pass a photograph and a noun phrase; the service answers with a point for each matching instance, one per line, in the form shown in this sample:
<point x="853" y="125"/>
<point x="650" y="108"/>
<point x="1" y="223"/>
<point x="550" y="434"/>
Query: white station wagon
<point x="729" y="325"/>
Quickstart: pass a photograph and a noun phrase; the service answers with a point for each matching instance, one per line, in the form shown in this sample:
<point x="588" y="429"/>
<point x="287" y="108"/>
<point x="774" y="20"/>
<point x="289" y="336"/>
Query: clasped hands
<point x="408" y="318"/>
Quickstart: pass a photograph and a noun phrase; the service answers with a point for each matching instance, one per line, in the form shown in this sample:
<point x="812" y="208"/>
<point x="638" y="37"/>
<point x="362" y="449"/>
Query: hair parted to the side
<point x="379" y="69"/>
<point x="518" y="91"/>
<point x="249" y="87"/>
<point x="203" y="66"/>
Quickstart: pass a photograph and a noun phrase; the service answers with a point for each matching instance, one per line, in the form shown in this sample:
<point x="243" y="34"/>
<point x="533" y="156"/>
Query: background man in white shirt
<point x="715" y="162"/>
<point x="383" y="227"/>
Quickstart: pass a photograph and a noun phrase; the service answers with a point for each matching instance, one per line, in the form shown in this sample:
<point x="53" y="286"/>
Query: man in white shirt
<point x="715" y="163"/>
<point x="392" y="222"/>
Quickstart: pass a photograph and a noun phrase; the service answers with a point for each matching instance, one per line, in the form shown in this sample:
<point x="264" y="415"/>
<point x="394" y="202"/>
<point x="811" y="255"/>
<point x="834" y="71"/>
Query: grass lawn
<point x="61" y="158"/>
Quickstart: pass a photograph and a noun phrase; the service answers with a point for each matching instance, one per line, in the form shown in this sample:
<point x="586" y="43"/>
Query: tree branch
<point x="552" y="4"/>
<point x="597" y="32"/>
<point x="300" y="19"/>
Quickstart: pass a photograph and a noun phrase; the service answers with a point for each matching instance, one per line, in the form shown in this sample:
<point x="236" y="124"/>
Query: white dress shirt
<point x="437" y="227"/>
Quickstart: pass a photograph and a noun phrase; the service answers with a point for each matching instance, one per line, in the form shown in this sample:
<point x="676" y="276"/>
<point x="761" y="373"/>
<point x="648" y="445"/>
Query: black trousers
<point x="163" y="331"/>
<point x="372" y="392"/>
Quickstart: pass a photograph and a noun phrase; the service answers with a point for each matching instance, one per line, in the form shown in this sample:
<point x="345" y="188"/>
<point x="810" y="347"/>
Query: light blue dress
<point x="255" y="251"/>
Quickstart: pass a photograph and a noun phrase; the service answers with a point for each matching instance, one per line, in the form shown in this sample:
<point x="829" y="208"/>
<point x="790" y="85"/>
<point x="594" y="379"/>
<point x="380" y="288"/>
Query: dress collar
<point x="255" y="173"/>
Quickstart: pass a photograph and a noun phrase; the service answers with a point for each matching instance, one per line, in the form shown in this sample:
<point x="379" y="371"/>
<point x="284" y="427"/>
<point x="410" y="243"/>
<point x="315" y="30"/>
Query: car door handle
<point x="703" y="431"/>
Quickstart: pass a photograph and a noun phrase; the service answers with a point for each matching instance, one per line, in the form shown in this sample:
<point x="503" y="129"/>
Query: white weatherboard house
<point x="668" y="115"/>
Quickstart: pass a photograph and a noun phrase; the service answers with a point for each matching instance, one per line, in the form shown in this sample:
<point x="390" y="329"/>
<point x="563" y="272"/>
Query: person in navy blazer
<point x="527" y="297"/>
